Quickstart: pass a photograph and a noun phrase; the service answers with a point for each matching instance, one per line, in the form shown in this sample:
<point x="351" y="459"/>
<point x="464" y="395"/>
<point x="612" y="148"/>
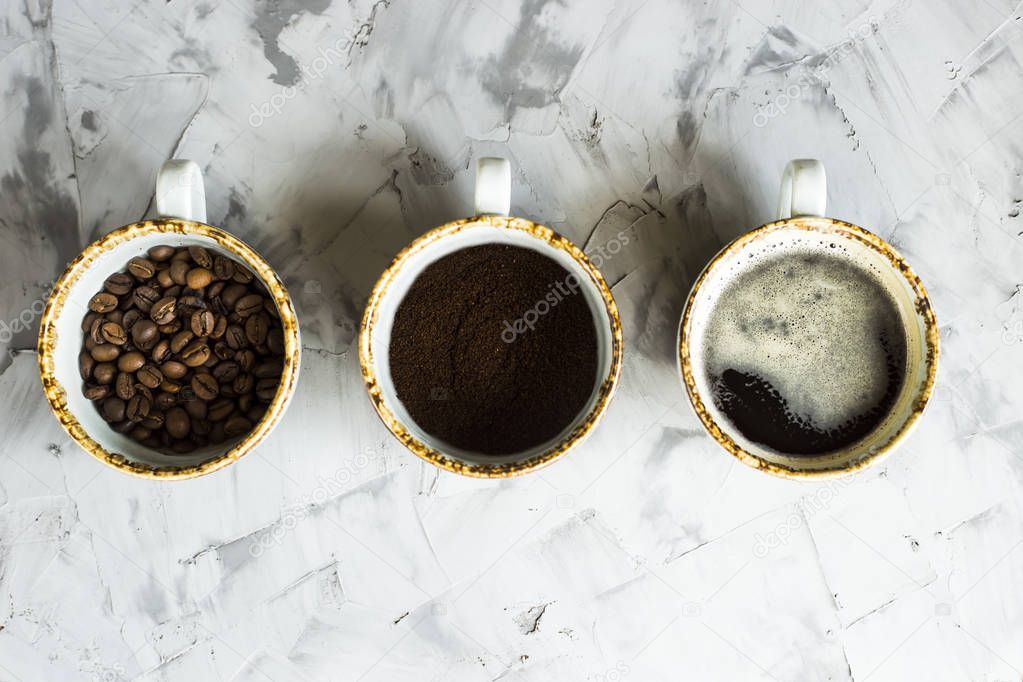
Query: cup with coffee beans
<point x="169" y="348"/>
<point x="808" y="347"/>
<point x="491" y="345"/>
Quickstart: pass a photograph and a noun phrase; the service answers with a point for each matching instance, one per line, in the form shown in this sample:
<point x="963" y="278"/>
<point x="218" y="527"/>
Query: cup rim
<point x="47" y="343"/>
<point x="923" y="308"/>
<point x="435" y="457"/>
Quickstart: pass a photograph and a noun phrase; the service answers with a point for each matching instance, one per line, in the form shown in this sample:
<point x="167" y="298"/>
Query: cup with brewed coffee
<point x="808" y="347"/>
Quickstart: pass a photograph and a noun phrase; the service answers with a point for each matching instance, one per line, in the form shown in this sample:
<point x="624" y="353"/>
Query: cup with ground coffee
<point x="169" y="348"/>
<point x="808" y="347"/>
<point x="491" y="345"/>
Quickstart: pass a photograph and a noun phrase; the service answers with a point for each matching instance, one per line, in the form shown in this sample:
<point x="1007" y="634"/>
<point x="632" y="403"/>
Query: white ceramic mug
<point x="490" y="226"/>
<point x="181" y="201"/>
<point x="802" y="205"/>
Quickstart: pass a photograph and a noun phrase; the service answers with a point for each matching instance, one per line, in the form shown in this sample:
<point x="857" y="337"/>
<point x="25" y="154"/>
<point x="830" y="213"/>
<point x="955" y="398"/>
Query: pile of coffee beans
<point x="181" y="350"/>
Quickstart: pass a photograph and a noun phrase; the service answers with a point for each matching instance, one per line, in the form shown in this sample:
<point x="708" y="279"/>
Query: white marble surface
<point x="331" y="133"/>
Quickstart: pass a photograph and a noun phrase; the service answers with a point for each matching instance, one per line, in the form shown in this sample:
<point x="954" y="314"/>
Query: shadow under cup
<point x="377" y="324"/>
<point x="866" y="250"/>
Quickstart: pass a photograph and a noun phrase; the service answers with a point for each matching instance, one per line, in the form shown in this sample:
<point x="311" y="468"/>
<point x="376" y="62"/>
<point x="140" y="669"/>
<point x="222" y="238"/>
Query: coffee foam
<point x="808" y="319"/>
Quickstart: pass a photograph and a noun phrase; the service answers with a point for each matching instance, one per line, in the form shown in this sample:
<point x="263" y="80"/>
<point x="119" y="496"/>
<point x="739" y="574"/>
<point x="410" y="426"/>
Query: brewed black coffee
<point x="805" y="350"/>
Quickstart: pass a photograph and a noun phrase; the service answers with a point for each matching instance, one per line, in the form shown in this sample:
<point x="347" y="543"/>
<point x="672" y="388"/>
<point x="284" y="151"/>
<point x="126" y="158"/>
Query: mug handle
<point x="804" y="189"/>
<point x="180" y="192"/>
<point x="493" y="186"/>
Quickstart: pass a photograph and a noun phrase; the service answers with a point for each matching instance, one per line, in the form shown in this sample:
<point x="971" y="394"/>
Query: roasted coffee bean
<point x="144" y="390"/>
<point x="105" y="352"/>
<point x="222" y="351"/>
<point x="140" y="433"/>
<point x="125" y="386"/>
<point x="89" y="343"/>
<point x="113" y="409"/>
<point x="86" y="363"/>
<point x="232" y="293"/>
<point x="104" y="373"/>
<point x="172" y="369"/>
<point x="143" y="331"/>
<point x="226" y="371"/>
<point x="256" y="328"/>
<point x="118" y="283"/>
<point x="178" y="423"/>
<point x="203" y="322"/>
<point x="114" y="333"/>
<point x="96" y="330"/>
<point x="161" y="253"/>
<point x="197" y="409"/>
<point x="195" y="353"/>
<point x="255" y="413"/>
<point x="170" y="386"/>
<point x="161" y="352"/>
<point x="180" y="340"/>
<point x="141" y="268"/>
<point x="129" y="319"/>
<point x="219" y="327"/>
<point x="165" y="400"/>
<point x="234" y="335"/>
<point x="189" y="302"/>
<point x="201" y="256"/>
<point x="131" y="362"/>
<point x="248" y="305"/>
<point x="245" y="402"/>
<point x="236" y="426"/>
<point x="217" y="305"/>
<point x="144" y="297"/>
<point x="172" y="328"/>
<point x="163" y="310"/>
<point x="243" y="383"/>
<point x="124" y="426"/>
<point x="173" y="291"/>
<point x="246" y="359"/>
<point x="266" y="389"/>
<point x="205" y="386"/>
<point x="163" y="278"/>
<point x="241" y="274"/>
<point x="96" y="392"/>
<point x="223" y="268"/>
<point x="103" y="302"/>
<point x="199" y="278"/>
<point x="179" y="272"/>
<point x="213" y="290"/>
<point x="150" y="376"/>
<point x="115" y="316"/>
<point x="181" y="254"/>
<point x="154" y="420"/>
<point x="138" y="407"/>
<point x="211" y="361"/>
<point x="221" y="409"/>
<point x="87" y="321"/>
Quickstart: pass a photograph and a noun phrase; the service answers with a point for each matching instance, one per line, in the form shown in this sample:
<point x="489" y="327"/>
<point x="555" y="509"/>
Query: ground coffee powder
<point x="494" y="349"/>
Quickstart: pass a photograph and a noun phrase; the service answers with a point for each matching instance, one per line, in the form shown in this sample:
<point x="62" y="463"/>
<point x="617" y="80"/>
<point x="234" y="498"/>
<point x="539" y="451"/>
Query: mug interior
<point x="865" y="250"/>
<point x="62" y="321"/>
<point x="391" y="291"/>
